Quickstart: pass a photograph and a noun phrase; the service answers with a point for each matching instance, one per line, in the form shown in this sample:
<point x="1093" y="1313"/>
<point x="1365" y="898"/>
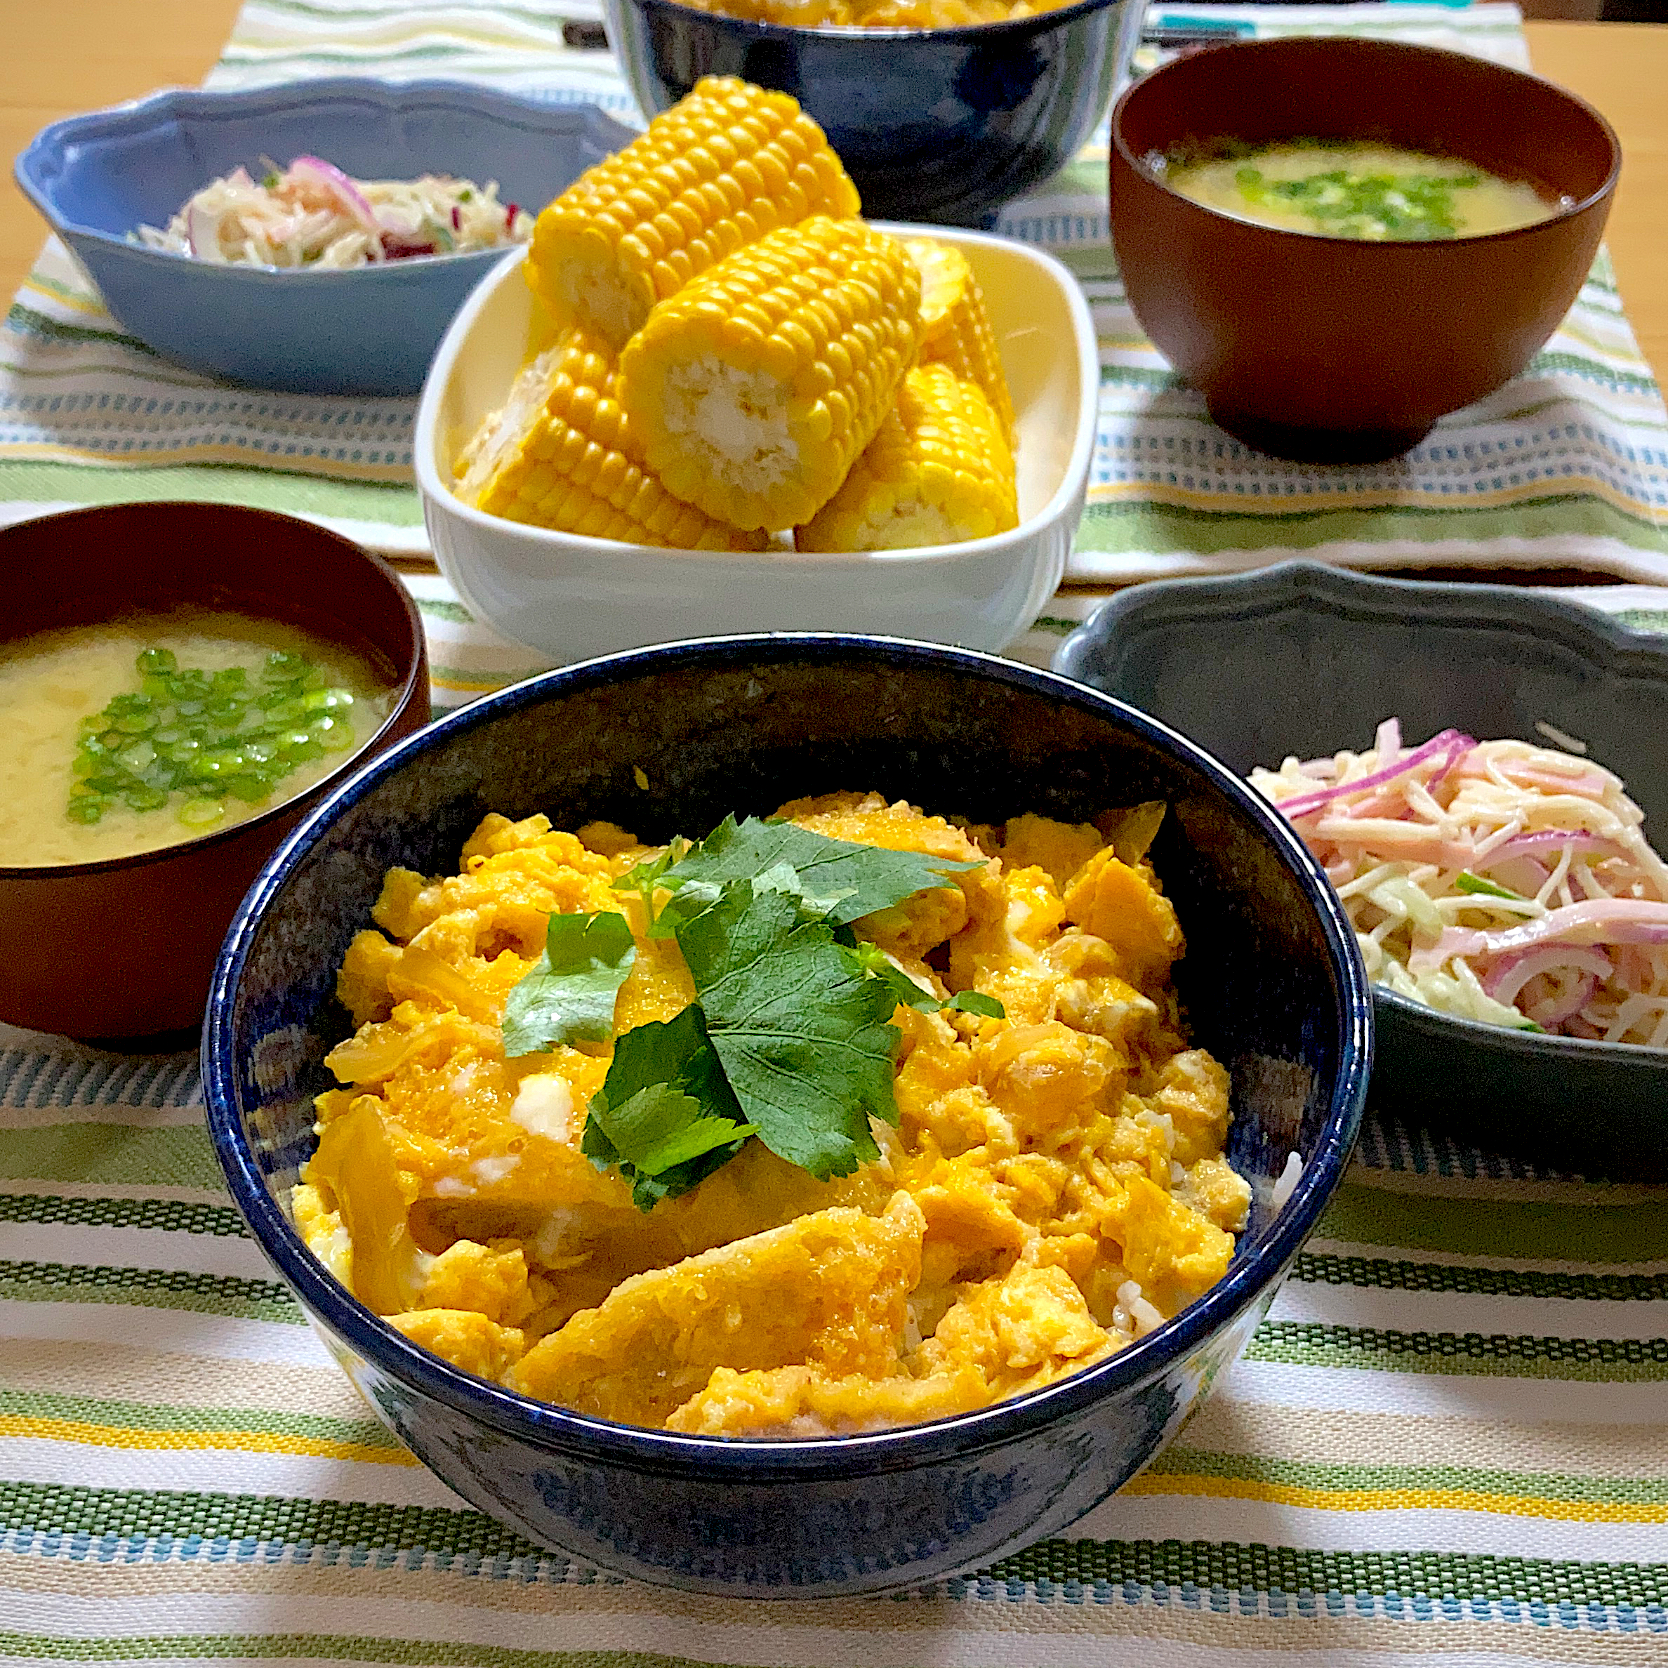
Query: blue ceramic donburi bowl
<point x="365" y="330"/>
<point x="932" y="124"/>
<point x="1272" y="982"/>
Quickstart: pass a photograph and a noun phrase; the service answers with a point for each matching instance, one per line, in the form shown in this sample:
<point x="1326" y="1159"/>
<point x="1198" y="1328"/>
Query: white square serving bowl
<point x="568" y="598"/>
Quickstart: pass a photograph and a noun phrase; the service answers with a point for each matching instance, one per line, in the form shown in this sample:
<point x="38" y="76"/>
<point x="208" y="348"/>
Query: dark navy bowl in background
<point x="364" y="330"/>
<point x="932" y="124"/>
<point x="1272" y="981"/>
<point x="1306" y="659"/>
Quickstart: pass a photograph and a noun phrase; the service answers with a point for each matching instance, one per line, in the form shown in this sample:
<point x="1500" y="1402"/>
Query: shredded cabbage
<point x="311" y="214"/>
<point x="1494" y="880"/>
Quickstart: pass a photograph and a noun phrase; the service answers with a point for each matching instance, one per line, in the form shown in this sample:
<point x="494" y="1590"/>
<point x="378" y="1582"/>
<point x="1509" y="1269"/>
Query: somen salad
<point x="1494" y="880"/>
<point x="311" y="214"/>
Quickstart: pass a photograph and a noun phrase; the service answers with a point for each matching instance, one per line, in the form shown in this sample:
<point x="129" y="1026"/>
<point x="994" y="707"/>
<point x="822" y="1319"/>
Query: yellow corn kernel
<point x="722" y="167"/>
<point x="938" y="472"/>
<point x="561" y="454"/>
<point x="757" y="384"/>
<point x="955" y="329"/>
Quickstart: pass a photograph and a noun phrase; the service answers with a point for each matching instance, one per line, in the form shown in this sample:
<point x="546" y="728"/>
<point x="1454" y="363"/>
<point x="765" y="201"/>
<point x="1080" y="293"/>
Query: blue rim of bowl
<point x="641" y="1447"/>
<point x="138" y="115"/>
<point x="407" y="679"/>
<point x="1411" y="48"/>
<point x="962" y="33"/>
<point x="1617" y="645"/>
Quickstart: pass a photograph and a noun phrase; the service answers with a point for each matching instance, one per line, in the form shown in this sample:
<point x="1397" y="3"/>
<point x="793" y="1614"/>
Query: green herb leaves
<point x="789" y="1037"/>
<point x="799" y="1028"/>
<point x="839" y="881"/>
<point x="569" y="995"/>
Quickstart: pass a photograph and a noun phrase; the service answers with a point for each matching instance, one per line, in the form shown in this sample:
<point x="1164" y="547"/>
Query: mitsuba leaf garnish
<point x="568" y="996"/>
<point x="876" y="964"/>
<point x="664" y="1081"/>
<point x="855" y="880"/>
<point x="643" y="878"/>
<point x="789" y="1037"/>
<point x="801" y="1033"/>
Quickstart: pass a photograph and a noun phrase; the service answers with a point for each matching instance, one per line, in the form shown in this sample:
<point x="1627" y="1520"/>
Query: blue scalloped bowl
<point x="1303" y="658"/>
<point x="1273" y="984"/>
<point x="368" y="330"/>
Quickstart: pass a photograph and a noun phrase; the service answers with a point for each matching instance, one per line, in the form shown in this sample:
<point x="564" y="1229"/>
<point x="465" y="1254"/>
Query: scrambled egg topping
<point x="1055" y="1188"/>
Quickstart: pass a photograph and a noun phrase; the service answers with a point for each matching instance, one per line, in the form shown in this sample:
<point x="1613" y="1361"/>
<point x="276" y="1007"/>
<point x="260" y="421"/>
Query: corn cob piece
<point x="955" y="329"/>
<point x="561" y="454"/>
<point x="722" y="167"/>
<point x="938" y="472"/>
<point x="757" y="384"/>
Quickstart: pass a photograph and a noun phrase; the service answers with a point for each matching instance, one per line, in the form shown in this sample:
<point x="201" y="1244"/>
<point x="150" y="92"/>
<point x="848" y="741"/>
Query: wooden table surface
<point x="68" y="55"/>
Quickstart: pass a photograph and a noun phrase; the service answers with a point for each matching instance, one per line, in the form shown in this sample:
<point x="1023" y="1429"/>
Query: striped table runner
<point x="1566" y="466"/>
<point x="1447" y="1445"/>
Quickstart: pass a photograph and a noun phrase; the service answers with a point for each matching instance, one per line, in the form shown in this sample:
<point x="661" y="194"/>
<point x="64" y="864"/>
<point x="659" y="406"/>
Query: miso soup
<point x="122" y="738"/>
<point x="1373" y="192"/>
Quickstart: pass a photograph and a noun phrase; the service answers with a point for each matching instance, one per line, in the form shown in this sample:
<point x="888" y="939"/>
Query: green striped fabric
<point x="1447" y="1443"/>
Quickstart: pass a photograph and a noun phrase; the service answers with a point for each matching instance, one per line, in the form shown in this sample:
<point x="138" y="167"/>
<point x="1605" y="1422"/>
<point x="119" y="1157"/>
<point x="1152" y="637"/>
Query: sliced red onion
<point x="1387" y="742"/>
<point x="1598" y="921"/>
<point x="1550" y="1019"/>
<point x="1510" y="974"/>
<point x="329" y="175"/>
<point x="1448" y="747"/>
<point x="1523" y="874"/>
<point x="202" y="233"/>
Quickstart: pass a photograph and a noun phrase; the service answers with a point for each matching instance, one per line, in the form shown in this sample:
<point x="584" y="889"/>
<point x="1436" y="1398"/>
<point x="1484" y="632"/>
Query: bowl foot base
<point x="1306" y="445"/>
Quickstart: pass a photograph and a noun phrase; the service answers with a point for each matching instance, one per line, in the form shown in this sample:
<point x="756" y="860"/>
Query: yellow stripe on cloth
<point x="246" y="1442"/>
<point x="64" y="296"/>
<point x="1343" y="498"/>
<point x="1395" y="1499"/>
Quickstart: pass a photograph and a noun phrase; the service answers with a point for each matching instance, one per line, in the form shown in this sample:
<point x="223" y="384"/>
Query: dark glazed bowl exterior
<point x="1331" y="349"/>
<point x="124" y="948"/>
<point x="932" y="124"/>
<point x="1272" y="981"/>
<point x="1302" y="659"/>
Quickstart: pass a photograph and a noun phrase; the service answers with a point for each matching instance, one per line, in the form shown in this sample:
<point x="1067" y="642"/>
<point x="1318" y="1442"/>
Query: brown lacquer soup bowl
<point x="1330" y="348"/>
<point x="122" y="946"/>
